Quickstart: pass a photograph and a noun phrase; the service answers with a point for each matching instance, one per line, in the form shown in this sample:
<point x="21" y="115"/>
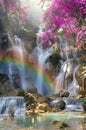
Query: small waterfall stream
<point x="12" y="104"/>
<point x="19" y="45"/>
<point x="19" y="49"/>
<point x="73" y="87"/>
<point x="65" y="79"/>
<point x="10" y="73"/>
<point x="42" y="57"/>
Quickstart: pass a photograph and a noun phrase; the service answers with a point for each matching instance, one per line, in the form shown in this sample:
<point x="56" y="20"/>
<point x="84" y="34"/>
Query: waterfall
<point x="42" y="56"/>
<point x="73" y="104"/>
<point x="14" y="104"/>
<point x="60" y="78"/>
<point x="18" y="52"/>
<point x="73" y="87"/>
<point x="19" y="45"/>
<point x="69" y="60"/>
<point x="10" y="73"/>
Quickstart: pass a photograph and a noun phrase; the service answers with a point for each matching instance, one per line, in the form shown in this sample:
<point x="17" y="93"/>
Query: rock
<point x="7" y="90"/>
<point x="29" y="97"/>
<point x="60" y="104"/>
<point x="55" y="122"/>
<point x="84" y="105"/>
<point x="44" y="107"/>
<point x="81" y="78"/>
<point x="32" y="90"/>
<point x="63" y="125"/>
<point x="65" y="94"/>
<point x="31" y="102"/>
<point x="11" y="111"/>
<point x="21" y="93"/>
<point x="1" y="94"/>
<point x="43" y="99"/>
<point x="53" y="97"/>
<point x="79" y="97"/>
<point x="60" y="125"/>
<point x="37" y="95"/>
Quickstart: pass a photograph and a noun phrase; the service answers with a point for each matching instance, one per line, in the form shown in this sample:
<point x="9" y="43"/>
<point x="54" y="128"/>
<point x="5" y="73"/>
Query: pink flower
<point x="21" y="22"/>
<point x="69" y="49"/>
<point x="78" y="1"/>
<point x="3" y="3"/>
<point x="79" y="47"/>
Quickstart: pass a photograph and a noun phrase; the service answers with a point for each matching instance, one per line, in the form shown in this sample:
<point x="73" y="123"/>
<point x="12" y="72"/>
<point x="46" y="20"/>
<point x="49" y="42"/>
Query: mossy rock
<point x="54" y="60"/>
<point x="43" y="107"/>
<point x="64" y="125"/>
<point x="84" y="105"/>
<point x="31" y="101"/>
<point x="32" y="90"/>
<point x="21" y="93"/>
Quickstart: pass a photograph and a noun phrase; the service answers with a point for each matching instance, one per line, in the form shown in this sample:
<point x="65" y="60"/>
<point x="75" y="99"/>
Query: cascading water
<point x="16" y="105"/>
<point x="42" y="56"/>
<point x="19" y="45"/>
<point x="74" y="85"/>
<point x="10" y="73"/>
<point x="67" y="73"/>
<point x="73" y="104"/>
<point x="65" y="66"/>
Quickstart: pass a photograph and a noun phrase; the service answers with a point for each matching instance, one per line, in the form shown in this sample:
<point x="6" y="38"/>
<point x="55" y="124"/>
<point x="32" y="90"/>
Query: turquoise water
<point x="44" y="121"/>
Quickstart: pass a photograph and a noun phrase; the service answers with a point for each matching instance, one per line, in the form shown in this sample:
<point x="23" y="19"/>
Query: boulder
<point x="44" y="107"/>
<point x="65" y="94"/>
<point x="84" y="105"/>
<point x="59" y="103"/>
<point x="21" y="93"/>
<point x="81" y="78"/>
<point x="43" y="99"/>
<point x="32" y="90"/>
<point x="11" y="111"/>
<point x="31" y="102"/>
<point x="53" y="97"/>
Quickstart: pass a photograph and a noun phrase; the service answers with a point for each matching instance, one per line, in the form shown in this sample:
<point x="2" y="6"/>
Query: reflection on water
<point x="44" y="121"/>
<point x="75" y="121"/>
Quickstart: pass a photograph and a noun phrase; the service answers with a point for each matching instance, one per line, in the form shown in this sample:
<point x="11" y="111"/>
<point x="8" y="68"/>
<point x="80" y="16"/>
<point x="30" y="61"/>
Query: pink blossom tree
<point x="70" y="15"/>
<point x="16" y="14"/>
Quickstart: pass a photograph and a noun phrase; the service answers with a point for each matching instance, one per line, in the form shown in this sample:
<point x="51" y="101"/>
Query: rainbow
<point x="30" y="67"/>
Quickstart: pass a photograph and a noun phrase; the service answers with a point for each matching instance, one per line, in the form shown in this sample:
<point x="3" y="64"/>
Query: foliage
<point x="16" y="14"/>
<point x="14" y="8"/>
<point x="70" y="15"/>
<point x="47" y="38"/>
<point x="84" y="105"/>
<point x="28" y="35"/>
<point x="84" y="101"/>
<point x="54" y="60"/>
<point x="55" y="109"/>
<point x="21" y="93"/>
<point x="31" y="102"/>
<point x="14" y="19"/>
<point x="64" y="123"/>
<point x="85" y="119"/>
<point x="81" y="37"/>
<point x="83" y="68"/>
